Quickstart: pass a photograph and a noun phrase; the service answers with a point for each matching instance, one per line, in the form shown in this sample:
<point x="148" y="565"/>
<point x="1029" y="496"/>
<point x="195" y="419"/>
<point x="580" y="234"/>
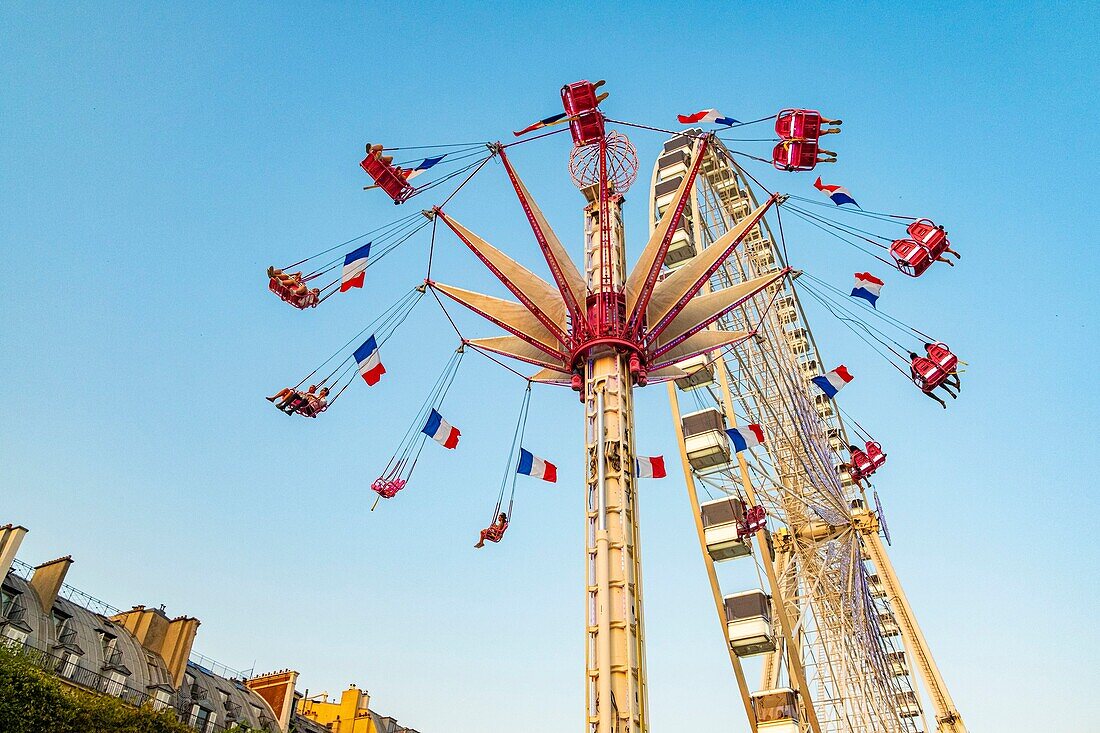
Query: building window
<point x="7" y="600"/>
<point x="63" y="628"/>
<point x="162" y="699"/>
<point x="202" y="719"/>
<point x="11" y="605"/>
<point x="66" y="664"/>
<point x="115" y="682"/>
<point x="14" y="637"/>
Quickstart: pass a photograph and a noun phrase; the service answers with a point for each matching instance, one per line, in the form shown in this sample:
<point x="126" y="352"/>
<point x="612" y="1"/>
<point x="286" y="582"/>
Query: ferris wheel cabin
<point x="700" y="372"/>
<point x="723" y="520"/>
<point x="776" y="710"/>
<point x="705" y="439"/>
<point x="908" y="705"/>
<point x="899" y="667"/>
<point x="749" y="623"/>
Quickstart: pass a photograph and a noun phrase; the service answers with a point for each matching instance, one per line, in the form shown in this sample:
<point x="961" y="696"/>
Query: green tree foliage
<point x="34" y="701"/>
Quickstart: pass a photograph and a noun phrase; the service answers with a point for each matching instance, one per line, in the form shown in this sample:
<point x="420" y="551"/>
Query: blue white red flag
<point x="422" y="166"/>
<point x="838" y="194"/>
<point x="551" y="120"/>
<point x="532" y="465"/>
<point x="370" y="362"/>
<point x="355" y="268"/>
<point x="706" y="115"/>
<point x="867" y="287"/>
<point x="441" y="431"/>
<point x="746" y="437"/>
<point x="651" y="467"/>
<point x="834" y="381"/>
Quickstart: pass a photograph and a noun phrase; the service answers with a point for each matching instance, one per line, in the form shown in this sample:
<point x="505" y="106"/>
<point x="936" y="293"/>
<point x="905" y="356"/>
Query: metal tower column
<point x="616" y="683"/>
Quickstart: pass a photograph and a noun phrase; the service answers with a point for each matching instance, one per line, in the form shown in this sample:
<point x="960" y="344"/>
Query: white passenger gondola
<point x="700" y="372"/>
<point x="908" y="705"/>
<point x="705" y="439"/>
<point x="749" y="623"/>
<point x="889" y="624"/>
<point x="722" y="521"/>
<point x="898" y="666"/>
<point x="776" y="710"/>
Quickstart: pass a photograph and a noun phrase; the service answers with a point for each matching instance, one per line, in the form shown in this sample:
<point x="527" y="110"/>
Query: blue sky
<point x="153" y="161"/>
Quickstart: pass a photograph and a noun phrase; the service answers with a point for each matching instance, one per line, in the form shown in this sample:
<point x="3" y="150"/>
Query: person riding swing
<point x="494" y="532"/>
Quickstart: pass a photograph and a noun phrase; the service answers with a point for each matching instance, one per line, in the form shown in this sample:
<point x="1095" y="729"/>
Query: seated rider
<point x="290" y="400"/>
<point x="952" y="377"/>
<point x="314" y="404"/>
<point x="494" y="532"/>
<point x="915" y="364"/>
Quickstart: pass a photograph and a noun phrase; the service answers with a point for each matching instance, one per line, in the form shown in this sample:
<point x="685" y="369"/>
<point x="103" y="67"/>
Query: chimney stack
<point x="10" y="538"/>
<point x="48" y="578"/>
<point x="171" y="640"/>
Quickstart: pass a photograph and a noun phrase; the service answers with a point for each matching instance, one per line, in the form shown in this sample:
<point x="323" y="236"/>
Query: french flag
<point x="652" y="467"/>
<point x="706" y="115"/>
<point x="441" y="431"/>
<point x="867" y="287"/>
<point x="532" y="465"/>
<point x="370" y="362"/>
<point x="422" y="166"/>
<point x="838" y="194"/>
<point x="746" y="437"/>
<point x="355" y="268"/>
<point x="834" y="381"/>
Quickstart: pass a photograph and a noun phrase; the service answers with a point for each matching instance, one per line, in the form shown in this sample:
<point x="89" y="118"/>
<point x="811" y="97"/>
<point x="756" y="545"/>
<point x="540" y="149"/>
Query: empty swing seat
<point x="942" y="357"/>
<point x="776" y="710"/>
<point x="723" y="520"/>
<point x="911" y="257"/>
<point x="795" y="155"/>
<point x="388" y="178"/>
<point x="875" y="454"/>
<point x="749" y="623"/>
<point x="930" y="235"/>
<point x="795" y="124"/>
<point x="705" y="439"/>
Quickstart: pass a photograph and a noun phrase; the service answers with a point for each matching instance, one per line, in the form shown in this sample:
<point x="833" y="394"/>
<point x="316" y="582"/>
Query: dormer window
<point x="63" y="628"/>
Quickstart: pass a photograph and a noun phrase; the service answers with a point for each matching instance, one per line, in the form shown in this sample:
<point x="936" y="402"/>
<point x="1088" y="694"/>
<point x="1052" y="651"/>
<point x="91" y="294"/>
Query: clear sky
<point x="153" y="161"/>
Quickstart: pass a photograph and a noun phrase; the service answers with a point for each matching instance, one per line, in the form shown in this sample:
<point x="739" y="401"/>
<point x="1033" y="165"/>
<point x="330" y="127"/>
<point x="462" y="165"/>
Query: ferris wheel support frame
<point x="948" y="719"/>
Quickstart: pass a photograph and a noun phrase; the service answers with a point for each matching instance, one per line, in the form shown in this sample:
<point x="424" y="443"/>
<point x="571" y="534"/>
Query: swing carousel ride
<point x="818" y="629"/>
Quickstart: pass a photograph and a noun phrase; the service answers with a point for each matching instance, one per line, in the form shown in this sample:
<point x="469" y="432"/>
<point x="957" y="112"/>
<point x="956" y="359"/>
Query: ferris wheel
<point x="809" y="605"/>
<point x="820" y="635"/>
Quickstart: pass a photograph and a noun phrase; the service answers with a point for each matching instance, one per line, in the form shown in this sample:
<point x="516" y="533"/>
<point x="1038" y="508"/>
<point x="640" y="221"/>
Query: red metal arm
<point x="512" y="287"/>
<point x="634" y="323"/>
<point x="690" y="293"/>
<point x="576" y="313"/>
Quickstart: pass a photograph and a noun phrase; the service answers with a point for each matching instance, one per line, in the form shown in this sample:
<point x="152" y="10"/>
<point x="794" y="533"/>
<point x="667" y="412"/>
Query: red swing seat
<point x="586" y="123"/>
<point x="911" y="257"/>
<point x="387" y="488"/>
<point x="795" y="155"/>
<point x="931" y="236"/>
<point x="388" y="178"/>
<point x="495" y="532"/>
<point x="798" y="124"/>
<point x="875" y="454"/>
<point x="942" y="357"/>
<point x="926" y="374"/>
<point x="286" y="292"/>
<point x="755" y="519"/>
<point x="860" y="465"/>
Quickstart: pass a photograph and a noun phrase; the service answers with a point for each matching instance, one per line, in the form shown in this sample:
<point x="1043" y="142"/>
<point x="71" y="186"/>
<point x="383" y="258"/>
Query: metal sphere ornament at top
<point x="622" y="163"/>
